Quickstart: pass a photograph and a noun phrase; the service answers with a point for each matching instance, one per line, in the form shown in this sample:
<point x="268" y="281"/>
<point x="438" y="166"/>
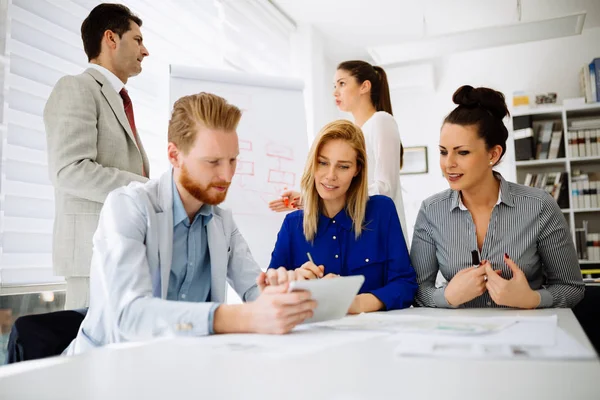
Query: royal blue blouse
<point x="380" y="252"/>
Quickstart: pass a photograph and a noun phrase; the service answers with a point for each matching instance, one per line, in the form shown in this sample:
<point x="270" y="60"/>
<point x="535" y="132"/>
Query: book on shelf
<point x="585" y="190"/>
<point x="554" y="183"/>
<point x="589" y="81"/>
<point x="544" y="137"/>
<point x="584" y="142"/>
<point x="590" y="271"/>
<point x="585" y="87"/>
<point x="556" y="145"/>
<point x="593" y="246"/>
<point x="581" y="143"/>
<point x="590" y="280"/>
<point x="587" y="243"/>
<point x="541" y="140"/>
<point x="581" y="241"/>
<point x="595" y="78"/>
<point x="584" y="123"/>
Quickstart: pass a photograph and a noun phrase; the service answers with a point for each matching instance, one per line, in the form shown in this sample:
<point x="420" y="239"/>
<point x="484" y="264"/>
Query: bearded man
<point x="164" y="250"/>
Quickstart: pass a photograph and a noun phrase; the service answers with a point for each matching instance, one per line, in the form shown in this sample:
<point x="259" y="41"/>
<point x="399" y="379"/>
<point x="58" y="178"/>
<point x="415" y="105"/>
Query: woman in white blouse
<point x="362" y="89"/>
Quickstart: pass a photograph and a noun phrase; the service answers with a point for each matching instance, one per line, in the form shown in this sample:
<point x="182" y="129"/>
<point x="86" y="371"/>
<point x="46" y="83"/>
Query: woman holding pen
<point x="362" y="89"/>
<point x="344" y="230"/>
<point x="529" y="260"/>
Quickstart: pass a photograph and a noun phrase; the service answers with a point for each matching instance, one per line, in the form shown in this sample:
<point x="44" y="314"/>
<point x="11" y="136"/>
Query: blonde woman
<point x="346" y="231"/>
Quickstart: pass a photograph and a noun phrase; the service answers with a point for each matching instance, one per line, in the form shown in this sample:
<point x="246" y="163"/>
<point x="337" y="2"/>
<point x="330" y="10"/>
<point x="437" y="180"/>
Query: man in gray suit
<point x="164" y="250"/>
<point x="93" y="144"/>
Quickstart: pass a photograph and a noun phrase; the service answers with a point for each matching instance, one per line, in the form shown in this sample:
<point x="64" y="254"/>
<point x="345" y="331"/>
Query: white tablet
<point x="334" y="296"/>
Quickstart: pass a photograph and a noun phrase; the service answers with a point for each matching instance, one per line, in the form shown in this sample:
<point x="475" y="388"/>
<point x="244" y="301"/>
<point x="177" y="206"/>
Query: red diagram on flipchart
<point x="277" y="177"/>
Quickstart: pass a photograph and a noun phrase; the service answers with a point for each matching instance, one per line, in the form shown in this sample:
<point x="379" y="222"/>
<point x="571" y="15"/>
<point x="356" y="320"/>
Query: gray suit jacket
<point x="131" y="265"/>
<point x="91" y="151"/>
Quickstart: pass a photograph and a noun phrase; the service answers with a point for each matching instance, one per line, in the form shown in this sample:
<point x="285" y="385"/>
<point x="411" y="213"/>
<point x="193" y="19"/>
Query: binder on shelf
<point x="594" y="194"/>
<point x="581" y="241"/>
<point x="592" y="69"/>
<point x="595" y="81"/>
<point x="581" y="143"/>
<point x="561" y="191"/>
<point x="556" y="146"/>
<point x="524" y="144"/>
<point x="544" y="139"/>
<point x="522" y="122"/>
<point x="593" y="143"/>
<point x="573" y="144"/>
<point x="588" y="143"/>
<point x="585" y="87"/>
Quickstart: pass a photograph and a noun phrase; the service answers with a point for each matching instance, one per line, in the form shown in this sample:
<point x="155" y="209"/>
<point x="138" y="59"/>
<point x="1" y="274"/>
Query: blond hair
<point x="200" y="110"/>
<point x="357" y="195"/>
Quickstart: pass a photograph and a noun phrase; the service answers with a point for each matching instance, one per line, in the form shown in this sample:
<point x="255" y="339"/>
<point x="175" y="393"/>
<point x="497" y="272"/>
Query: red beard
<point x="201" y="193"/>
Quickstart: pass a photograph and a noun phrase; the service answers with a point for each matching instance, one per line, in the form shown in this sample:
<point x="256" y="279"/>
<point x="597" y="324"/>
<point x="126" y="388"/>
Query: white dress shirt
<point x="115" y="82"/>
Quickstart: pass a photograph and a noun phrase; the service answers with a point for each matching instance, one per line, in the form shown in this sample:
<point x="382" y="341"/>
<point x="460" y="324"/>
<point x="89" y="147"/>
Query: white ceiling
<point x="352" y="26"/>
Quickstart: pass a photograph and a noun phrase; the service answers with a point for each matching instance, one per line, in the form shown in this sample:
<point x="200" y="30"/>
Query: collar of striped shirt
<point x="504" y="195"/>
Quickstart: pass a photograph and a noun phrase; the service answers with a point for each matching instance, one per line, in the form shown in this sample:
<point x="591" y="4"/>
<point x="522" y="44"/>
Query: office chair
<point x="43" y="335"/>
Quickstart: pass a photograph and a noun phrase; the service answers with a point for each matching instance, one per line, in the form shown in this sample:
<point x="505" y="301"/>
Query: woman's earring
<point x="491" y="163"/>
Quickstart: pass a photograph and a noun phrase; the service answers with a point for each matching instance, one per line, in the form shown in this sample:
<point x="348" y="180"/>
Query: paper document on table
<point x="303" y="340"/>
<point x="521" y="331"/>
<point x="565" y="348"/>
<point x="461" y="327"/>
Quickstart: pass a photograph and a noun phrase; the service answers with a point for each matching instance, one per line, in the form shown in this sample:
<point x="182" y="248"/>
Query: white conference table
<point x="170" y="369"/>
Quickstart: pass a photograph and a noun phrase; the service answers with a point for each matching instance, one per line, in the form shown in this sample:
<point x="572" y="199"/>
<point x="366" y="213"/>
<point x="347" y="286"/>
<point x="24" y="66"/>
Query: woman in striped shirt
<point x="529" y="260"/>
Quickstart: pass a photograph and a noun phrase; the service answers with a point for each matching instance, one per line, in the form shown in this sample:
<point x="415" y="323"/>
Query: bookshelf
<point x="575" y="164"/>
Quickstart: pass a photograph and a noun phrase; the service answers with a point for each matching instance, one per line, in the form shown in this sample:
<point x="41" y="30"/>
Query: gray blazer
<point x="131" y="265"/>
<point x="91" y="151"/>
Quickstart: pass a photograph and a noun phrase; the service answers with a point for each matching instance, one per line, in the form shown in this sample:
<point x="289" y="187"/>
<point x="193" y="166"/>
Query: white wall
<point x="546" y="66"/>
<point x="310" y="63"/>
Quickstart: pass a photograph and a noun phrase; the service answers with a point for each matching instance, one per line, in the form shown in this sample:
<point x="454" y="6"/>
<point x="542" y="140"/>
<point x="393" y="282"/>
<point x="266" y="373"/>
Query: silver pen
<point x="311" y="260"/>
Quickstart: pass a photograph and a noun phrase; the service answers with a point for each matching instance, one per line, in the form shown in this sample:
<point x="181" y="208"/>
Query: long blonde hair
<point x="357" y="195"/>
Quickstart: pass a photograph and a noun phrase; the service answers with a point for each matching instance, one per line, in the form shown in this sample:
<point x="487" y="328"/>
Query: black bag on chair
<point x="43" y="335"/>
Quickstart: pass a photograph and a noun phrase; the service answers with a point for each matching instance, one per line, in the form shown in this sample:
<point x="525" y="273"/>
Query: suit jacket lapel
<point x="165" y="226"/>
<point x="116" y="103"/>
<point x="218" y="251"/>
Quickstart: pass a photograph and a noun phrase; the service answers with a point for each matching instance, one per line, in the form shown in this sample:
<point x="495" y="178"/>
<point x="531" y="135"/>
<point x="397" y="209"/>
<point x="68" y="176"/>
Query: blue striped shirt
<point x="526" y="223"/>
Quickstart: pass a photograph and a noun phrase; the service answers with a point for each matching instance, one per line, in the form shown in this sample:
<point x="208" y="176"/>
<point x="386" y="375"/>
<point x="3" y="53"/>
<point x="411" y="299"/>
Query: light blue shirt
<point x="190" y="276"/>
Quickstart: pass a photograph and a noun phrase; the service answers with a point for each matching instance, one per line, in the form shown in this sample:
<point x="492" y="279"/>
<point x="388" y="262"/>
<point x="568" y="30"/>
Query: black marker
<point x="475" y="258"/>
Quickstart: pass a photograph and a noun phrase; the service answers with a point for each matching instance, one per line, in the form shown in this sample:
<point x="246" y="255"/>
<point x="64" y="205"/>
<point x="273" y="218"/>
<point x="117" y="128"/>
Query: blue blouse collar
<point x="342" y="219"/>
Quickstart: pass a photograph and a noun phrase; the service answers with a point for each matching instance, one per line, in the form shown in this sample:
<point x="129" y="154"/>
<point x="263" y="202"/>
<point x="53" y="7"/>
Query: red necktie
<point x="129" y="112"/>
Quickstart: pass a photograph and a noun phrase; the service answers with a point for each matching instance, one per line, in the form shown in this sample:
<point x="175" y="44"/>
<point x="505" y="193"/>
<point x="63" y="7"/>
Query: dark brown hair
<point x="484" y="108"/>
<point x="105" y="17"/>
<point x="380" y="89"/>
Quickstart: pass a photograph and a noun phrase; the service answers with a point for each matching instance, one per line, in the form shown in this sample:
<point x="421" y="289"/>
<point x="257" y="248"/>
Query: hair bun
<point x="464" y="96"/>
<point x="488" y="99"/>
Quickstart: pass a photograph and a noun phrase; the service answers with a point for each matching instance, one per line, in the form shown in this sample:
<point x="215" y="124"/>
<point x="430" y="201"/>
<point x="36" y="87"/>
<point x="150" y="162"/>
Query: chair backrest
<point x="43" y="335"/>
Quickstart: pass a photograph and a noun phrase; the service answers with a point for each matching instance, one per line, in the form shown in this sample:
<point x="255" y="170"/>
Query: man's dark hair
<point x="106" y="16"/>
